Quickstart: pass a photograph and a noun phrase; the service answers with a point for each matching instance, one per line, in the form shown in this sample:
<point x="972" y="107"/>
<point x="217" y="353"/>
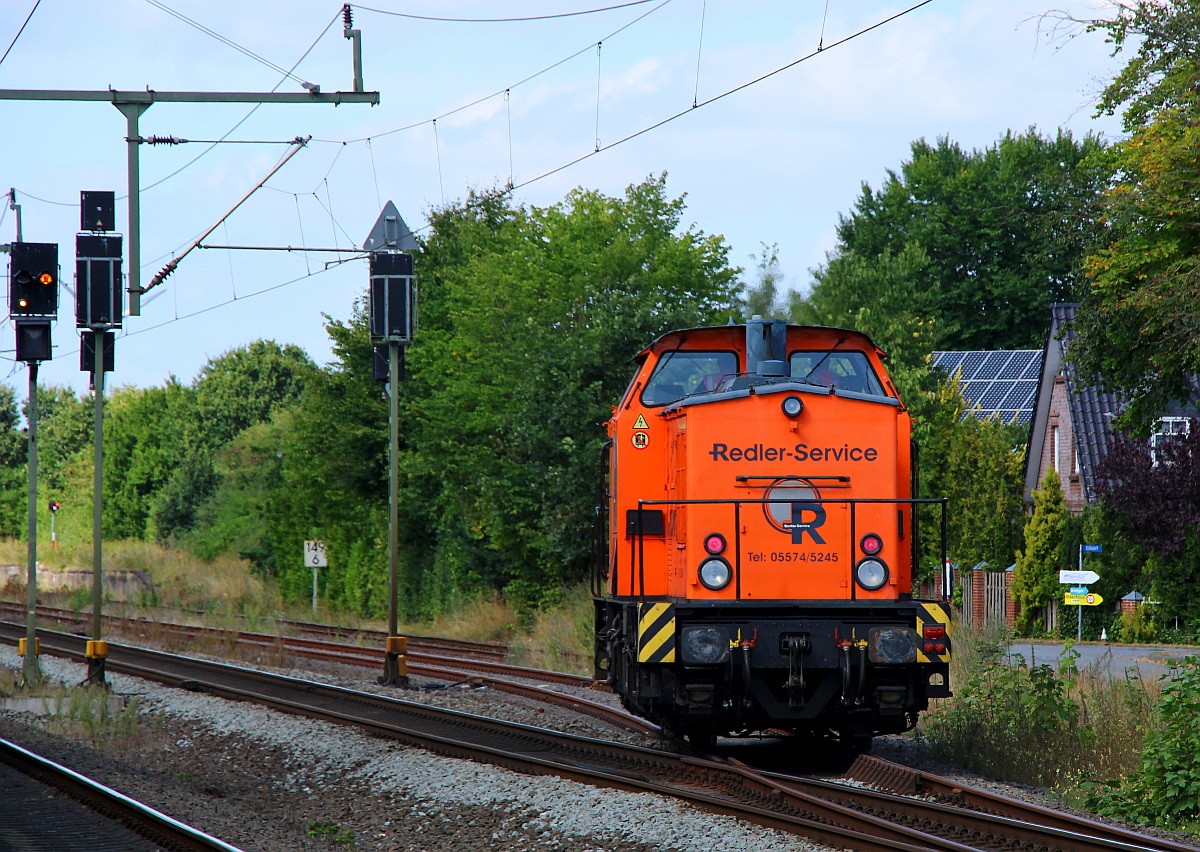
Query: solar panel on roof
<point x="1017" y="365"/>
<point x="971" y="362"/>
<point x="973" y="391"/>
<point x="994" y="396"/>
<point x="948" y="361"/>
<point x="1018" y="395"/>
<point x="1001" y="383"/>
<point x="990" y="368"/>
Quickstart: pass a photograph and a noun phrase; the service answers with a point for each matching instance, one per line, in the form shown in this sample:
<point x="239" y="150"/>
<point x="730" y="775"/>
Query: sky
<point x="474" y="105"/>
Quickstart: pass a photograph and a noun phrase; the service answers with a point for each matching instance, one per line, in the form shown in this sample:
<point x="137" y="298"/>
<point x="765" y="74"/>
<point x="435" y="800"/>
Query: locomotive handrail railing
<point x="638" y="556"/>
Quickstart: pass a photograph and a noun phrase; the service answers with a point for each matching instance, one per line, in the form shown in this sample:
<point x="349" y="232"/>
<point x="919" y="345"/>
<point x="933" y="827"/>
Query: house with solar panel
<point x="1000" y="384"/>
<point x="1069" y="422"/>
<point x="1072" y="421"/>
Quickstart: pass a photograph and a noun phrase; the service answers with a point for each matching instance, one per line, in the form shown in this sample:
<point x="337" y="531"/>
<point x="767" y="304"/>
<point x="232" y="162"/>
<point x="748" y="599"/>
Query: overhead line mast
<point x="133" y="104"/>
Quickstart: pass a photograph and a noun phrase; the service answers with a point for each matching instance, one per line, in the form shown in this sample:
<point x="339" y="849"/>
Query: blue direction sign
<point x="1079" y="590"/>
<point x="1092" y="548"/>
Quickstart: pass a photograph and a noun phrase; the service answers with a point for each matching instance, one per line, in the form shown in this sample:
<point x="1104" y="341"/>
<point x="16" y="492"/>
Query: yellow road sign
<point x="1090" y="599"/>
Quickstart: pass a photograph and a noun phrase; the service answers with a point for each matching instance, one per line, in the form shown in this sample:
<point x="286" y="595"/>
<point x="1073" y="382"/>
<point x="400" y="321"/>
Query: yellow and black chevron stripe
<point x="932" y="613"/>
<point x="656" y="633"/>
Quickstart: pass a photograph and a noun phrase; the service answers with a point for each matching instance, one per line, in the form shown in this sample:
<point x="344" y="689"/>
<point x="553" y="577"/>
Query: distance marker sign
<point x="314" y="554"/>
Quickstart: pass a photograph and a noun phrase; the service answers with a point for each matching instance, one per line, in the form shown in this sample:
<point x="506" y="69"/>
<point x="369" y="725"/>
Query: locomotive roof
<point x="832" y="329"/>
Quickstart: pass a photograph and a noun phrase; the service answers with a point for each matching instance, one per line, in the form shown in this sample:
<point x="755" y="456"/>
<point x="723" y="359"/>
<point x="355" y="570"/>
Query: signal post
<point x="392" y="318"/>
<point x="33" y="305"/>
<point x="99" y="307"/>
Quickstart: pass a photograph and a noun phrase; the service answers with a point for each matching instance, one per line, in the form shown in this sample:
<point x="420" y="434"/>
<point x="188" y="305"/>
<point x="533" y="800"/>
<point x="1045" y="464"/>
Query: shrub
<point x="1010" y="720"/>
<point x="1137" y="626"/>
<point x="1165" y="790"/>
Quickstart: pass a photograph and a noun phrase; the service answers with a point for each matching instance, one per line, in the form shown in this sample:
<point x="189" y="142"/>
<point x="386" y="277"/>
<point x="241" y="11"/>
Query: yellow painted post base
<point x="37" y="647"/>
<point x="97" y="658"/>
<point x="395" y="663"/>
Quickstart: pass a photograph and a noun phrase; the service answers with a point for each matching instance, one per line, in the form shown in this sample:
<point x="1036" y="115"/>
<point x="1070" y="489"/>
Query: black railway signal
<point x="33" y="280"/>
<point x="99" y="297"/>
<point x="392" y="297"/>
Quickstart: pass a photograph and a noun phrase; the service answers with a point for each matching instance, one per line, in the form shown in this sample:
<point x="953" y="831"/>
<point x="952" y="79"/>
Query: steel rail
<point x="818" y="810"/>
<point x="490" y="650"/>
<point x="710" y="784"/>
<point x="1030" y="826"/>
<point x="137" y="817"/>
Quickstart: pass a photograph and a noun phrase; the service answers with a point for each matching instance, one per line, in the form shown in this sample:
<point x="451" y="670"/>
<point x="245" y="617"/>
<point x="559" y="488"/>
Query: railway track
<point x="433" y="645"/>
<point x="835" y="814"/>
<point x="93" y="816"/>
<point x="534" y="684"/>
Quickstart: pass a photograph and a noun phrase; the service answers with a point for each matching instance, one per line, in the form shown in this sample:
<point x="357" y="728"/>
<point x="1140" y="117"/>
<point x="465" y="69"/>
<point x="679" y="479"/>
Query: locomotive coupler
<point x="796" y="646"/>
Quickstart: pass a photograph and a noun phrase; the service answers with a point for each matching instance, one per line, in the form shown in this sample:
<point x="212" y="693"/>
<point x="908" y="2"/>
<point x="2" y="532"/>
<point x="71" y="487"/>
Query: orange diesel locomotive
<point x="762" y="535"/>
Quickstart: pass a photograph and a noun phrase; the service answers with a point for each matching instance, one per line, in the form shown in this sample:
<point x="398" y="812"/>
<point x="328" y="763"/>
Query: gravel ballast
<point x="262" y="780"/>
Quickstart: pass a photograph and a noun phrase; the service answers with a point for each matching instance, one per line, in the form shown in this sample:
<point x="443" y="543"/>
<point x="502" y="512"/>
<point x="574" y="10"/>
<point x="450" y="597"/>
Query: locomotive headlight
<point x="715" y="573"/>
<point x="792" y="405"/>
<point x="705" y="646"/>
<point x="871" y="574"/>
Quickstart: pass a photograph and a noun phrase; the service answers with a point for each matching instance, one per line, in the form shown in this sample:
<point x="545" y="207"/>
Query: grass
<point x="1043" y="725"/>
<point x="561" y="636"/>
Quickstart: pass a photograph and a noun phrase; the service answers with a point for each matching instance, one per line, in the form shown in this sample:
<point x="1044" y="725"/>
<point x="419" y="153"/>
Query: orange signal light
<point x="45" y="278"/>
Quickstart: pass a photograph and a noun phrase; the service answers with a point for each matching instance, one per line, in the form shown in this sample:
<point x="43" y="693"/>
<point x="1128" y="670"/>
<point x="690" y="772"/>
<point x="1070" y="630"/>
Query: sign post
<point x="314" y="557"/>
<point x="1079" y="596"/>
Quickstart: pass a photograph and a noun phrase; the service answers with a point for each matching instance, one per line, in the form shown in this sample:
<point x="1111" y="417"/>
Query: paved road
<point x="1147" y="660"/>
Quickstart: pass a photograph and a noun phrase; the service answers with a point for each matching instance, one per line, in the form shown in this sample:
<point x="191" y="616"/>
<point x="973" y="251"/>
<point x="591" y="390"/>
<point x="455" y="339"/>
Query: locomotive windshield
<point x="680" y="373"/>
<point x="849" y="371"/>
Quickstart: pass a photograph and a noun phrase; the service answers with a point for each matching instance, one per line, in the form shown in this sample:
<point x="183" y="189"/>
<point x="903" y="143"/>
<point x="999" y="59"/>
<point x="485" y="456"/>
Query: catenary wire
<point x="508" y="88"/>
<point x="245" y="51"/>
<point x="722" y="95"/>
<point x="244" y="118"/>
<point x="18" y="35"/>
<point x="501" y="20"/>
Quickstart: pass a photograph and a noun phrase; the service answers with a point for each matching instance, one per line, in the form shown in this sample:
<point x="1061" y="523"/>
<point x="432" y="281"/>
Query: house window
<point x="1164" y="430"/>
<point x="1054" y="448"/>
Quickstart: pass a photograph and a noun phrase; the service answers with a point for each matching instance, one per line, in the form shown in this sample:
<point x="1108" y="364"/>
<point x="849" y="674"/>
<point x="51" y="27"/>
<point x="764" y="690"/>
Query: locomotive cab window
<point x="680" y="373"/>
<point x="848" y="371"/>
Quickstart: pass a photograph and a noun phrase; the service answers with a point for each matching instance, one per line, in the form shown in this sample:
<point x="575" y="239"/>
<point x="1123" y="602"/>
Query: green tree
<point x="1035" y="579"/>
<point x="65" y="429"/>
<point x="1003" y="231"/>
<point x="234" y="391"/>
<point x="1140" y="328"/>
<point x="14" y="456"/>
<point x="536" y="313"/>
<point x="144" y="437"/>
<point x="244" y="386"/>
<point x="763" y="296"/>
<point x="884" y="296"/>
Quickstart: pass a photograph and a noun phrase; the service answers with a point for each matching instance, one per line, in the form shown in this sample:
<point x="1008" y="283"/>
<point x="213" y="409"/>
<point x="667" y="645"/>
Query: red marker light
<point x="871" y="544"/>
<point x="714" y="543"/>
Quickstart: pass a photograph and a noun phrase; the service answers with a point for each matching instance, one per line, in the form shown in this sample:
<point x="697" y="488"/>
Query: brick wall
<point x="1060" y="420"/>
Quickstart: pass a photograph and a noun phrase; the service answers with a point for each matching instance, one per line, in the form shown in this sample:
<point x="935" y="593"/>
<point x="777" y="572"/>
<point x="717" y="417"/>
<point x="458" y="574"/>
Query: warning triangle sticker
<point x="640" y="423"/>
